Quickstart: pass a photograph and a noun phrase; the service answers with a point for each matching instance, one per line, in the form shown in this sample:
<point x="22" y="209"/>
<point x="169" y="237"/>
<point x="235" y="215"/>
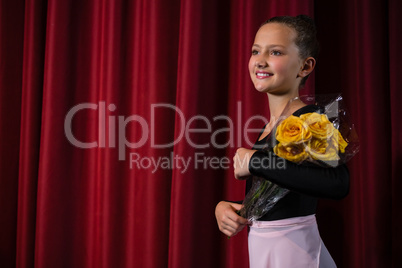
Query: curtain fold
<point x="11" y="62"/>
<point x="100" y="102"/>
<point x="31" y="111"/>
<point x="395" y="69"/>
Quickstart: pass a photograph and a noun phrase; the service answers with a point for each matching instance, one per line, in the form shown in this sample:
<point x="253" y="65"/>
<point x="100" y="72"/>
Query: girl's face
<point x="275" y="63"/>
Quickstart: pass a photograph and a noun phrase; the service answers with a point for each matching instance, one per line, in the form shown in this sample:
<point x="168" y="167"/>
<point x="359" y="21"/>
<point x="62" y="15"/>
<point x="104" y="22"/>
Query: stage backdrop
<point x="101" y="164"/>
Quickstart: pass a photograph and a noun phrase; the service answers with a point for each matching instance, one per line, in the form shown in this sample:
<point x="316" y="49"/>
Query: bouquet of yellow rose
<point x="309" y="137"/>
<point x="324" y="137"/>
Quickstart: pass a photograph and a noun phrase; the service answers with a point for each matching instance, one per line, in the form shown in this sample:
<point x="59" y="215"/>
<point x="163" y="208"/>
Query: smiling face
<point x="275" y="65"/>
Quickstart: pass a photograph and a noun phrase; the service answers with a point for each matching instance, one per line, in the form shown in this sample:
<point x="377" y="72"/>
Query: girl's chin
<point x="260" y="88"/>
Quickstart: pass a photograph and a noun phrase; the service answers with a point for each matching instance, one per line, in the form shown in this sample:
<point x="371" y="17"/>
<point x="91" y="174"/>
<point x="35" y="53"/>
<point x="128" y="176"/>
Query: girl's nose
<point x="260" y="63"/>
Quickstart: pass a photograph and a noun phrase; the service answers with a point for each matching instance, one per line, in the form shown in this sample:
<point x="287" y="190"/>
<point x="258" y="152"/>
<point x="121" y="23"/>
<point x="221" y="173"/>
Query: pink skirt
<point x="292" y="243"/>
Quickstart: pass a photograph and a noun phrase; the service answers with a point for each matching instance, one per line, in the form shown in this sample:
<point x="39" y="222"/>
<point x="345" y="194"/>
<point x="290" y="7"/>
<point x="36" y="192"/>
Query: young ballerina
<point x="283" y="56"/>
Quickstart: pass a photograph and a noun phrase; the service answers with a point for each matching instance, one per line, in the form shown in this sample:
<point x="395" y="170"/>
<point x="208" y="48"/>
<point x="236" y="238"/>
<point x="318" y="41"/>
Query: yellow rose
<point x="319" y="125"/>
<point x="292" y="130"/>
<point x="321" y="150"/>
<point x="338" y="141"/>
<point x="293" y="152"/>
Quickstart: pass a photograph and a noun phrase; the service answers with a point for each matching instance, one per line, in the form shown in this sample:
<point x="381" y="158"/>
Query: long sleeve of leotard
<point x="311" y="180"/>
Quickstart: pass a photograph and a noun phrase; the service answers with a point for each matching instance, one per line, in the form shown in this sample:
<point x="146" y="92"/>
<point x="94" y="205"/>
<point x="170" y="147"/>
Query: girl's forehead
<point x="275" y="32"/>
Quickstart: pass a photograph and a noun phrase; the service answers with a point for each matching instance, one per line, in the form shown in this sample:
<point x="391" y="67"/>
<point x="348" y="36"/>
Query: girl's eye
<point x="276" y="53"/>
<point x="254" y="52"/>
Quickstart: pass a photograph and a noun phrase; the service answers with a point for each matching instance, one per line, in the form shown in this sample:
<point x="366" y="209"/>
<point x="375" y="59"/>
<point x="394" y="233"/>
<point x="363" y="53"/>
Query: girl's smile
<point x="263" y="75"/>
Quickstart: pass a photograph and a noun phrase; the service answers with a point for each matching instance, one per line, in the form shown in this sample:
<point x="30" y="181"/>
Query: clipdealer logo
<point x="112" y="131"/>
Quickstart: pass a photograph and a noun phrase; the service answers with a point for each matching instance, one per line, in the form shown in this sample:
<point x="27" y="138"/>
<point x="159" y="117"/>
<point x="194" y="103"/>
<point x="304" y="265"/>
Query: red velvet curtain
<point x="127" y="78"/>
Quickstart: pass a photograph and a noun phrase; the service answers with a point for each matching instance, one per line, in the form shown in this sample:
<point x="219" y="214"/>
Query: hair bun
<point x="306" y="19"/>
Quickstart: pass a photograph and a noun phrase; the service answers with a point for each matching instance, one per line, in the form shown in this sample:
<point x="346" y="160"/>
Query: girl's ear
<point x="308" y="67"/>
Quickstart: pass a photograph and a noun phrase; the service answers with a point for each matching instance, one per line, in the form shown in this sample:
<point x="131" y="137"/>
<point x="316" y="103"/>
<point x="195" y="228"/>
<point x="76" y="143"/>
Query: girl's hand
<point x="240" y="163"/>
<point x="229" y="222"/>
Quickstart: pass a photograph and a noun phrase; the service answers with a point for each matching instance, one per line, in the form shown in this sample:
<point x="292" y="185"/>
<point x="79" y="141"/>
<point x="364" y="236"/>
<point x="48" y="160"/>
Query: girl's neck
<point x="277" y="104"/>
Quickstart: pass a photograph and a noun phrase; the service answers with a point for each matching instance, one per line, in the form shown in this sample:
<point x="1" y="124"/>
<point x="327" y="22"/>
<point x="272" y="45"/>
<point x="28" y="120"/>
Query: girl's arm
<point x="311" y="180"/>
